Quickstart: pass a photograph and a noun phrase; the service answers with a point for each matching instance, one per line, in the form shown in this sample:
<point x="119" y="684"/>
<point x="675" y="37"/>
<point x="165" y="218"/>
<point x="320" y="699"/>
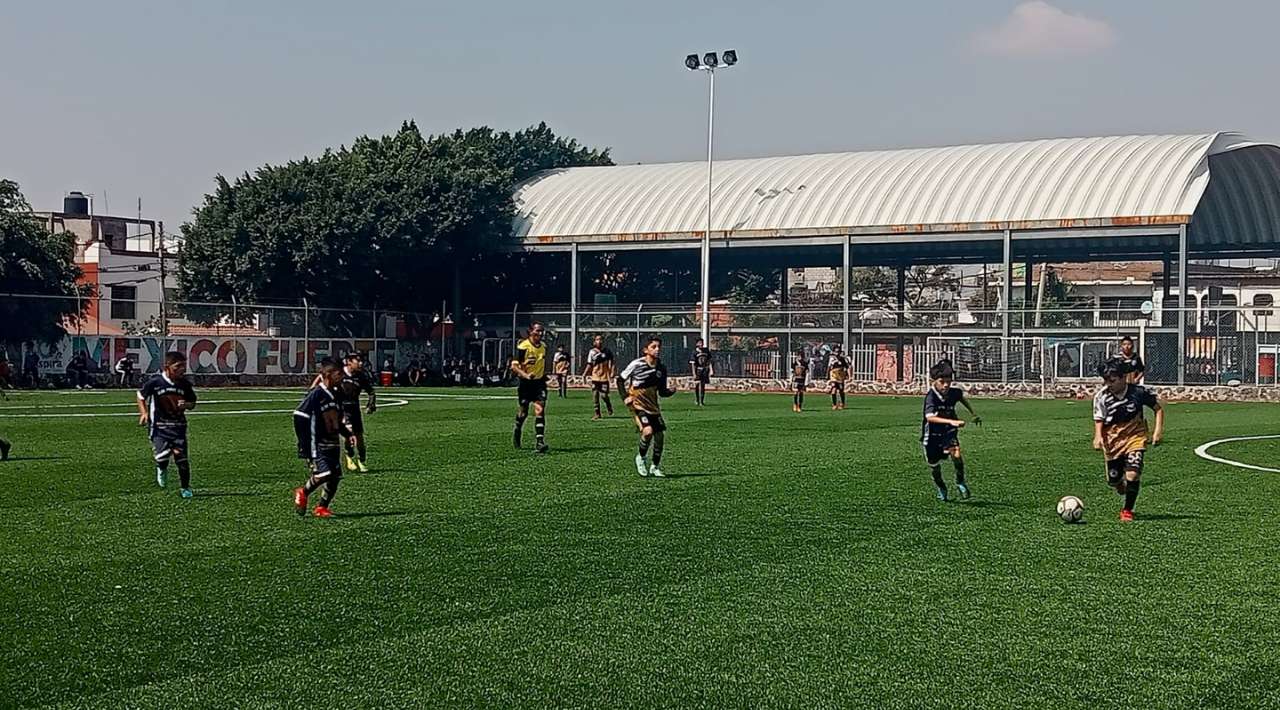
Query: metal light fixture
<point x="710" y="60"/>
<point x="692" y="62"/>
<point x="729" y="57"/>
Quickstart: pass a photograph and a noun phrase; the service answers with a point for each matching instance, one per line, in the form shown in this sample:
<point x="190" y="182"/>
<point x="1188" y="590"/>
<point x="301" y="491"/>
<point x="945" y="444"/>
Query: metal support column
<point x="573" y="305"/>
<point x="1006" y="305"/>
<point x="1182" y="303"/>
<point x="902" y="320"/>
<point x="848" y="241"/>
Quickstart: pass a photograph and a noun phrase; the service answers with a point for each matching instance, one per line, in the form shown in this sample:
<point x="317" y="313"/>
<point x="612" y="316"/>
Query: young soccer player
<point x="838" y="374"/>
<point x="940" y="430"/>
<point x="562" y="366"/>
<point x="799" y="380"/>
<point x="356" y="379"/>
<point x="319" y="427"/>
<point x="644" y="381"/>
<point x="5" y="448"/>
<point x="1132" y="361"/>
<point x="530" y="365"/>
<point x="1120" y="430"/>
<point x="601" y="368"/>
<point x="163" y="403"/>
<point x="702" y="370"/>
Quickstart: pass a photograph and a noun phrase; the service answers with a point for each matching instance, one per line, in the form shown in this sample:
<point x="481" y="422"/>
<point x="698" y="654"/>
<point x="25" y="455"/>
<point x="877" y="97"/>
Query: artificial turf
<point x="789" y="560"/>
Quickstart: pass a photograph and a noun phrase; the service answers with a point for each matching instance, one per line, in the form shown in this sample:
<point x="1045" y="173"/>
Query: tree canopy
<point x="381" y="224"/>
<point x="34" y="261"/>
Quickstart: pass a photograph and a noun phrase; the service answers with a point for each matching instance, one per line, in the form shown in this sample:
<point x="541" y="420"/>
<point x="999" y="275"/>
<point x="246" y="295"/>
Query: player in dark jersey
<point x="1120" y="429"/>
<point x="163" y="403"/>
<point x="562" y="364"/>
<point x="837" y="374"/>
<point x="702" y="370"/>
<point x="643" y="382"/>
<point x="799" y="381"/>
<point x="356" y="379"/>
<point x="940" y="429"/>
<point x="320" y="428"/>
<point x="1132" y="361"/>
<point x="601" y="368"/>
<point x="529" y="363"/>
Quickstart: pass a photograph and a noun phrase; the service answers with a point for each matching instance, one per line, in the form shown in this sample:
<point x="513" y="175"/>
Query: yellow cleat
<point x="350" y="462"/>
<point x="363" y="468"/>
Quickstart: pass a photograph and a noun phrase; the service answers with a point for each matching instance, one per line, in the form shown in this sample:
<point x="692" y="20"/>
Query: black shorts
<point x="1116" y="468"/>
<point x="530" y="391"/>
<point x="601" y="387"/>
<point x="799" y="385"/>
<point x="169" y="442"/>
<point x="326" y="464"/>
<point x="702" y="376"/>
<point x="937" y="450"/>
<point x="354" y="419"/>
<point x="837" y="385"/>
<point x="652" y="421"/>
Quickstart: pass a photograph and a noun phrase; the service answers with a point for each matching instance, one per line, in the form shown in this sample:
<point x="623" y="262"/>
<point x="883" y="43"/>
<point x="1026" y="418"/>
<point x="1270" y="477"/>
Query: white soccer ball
<point x="1070" y="509"/>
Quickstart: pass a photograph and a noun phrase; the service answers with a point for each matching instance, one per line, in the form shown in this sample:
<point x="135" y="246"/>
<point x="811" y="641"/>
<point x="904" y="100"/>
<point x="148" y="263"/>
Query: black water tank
<point x="76" y="203"/>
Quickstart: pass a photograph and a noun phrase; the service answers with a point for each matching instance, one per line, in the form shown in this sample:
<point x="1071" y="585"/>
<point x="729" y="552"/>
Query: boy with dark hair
<point x="601" y="368"/>
<point x="799" y="380"/>
<point x="319" y="427"/>
<point x="1132" y="361"/>
<point x="702" y="369"/>
<point x="940" y="429"/>
<point x="837" y="374"/>
<point x="529" y="363"/>
<point x="1120" y="430"/>
<point x="356" y="379"/>
<point x="562" y="366"/>
<point x="163" y="403"/>
<point x="644" y="381"/>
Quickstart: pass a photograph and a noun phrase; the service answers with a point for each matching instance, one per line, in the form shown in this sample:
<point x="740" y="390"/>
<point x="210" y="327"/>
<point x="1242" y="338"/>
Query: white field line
<point x="101" y="405"/>
<point x="1203" y="452"/>
<point x="388" y="403"/>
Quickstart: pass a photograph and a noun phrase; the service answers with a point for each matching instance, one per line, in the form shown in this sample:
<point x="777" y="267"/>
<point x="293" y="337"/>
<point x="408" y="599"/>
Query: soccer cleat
<point x="4" y="450"/>
<point x="542" y="447"/>
<point x="642" y="466"/>
<point x="964" y="490"/>
<point x="300" y="500"/>
<point x="350" y="462"/>
<point x="656" y="472"/>
<point x="323" y="512"/>
<point x="187" y="493"/>
<point x="162" y="477"/>
<point x="362" y="466"/>
<point x="596" y="417"/>
<point x="1126" y="516"/>
<point x="942" y="495"/>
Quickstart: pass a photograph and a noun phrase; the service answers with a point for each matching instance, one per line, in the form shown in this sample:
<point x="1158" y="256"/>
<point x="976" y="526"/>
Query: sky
<point x="151" y="100"/>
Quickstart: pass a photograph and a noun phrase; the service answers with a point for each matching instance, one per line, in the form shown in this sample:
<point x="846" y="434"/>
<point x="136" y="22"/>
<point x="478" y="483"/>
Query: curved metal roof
<point x="1121" y="180"/>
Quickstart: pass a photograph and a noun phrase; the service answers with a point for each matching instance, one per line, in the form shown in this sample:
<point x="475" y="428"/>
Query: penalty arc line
<point x="1203" y="452"/>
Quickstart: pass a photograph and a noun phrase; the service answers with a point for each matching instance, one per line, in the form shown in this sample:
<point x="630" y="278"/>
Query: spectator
<point x="31" y="367"/>
<point x="6" y="374"/>
<point x="78" y="371"/>
<point x="415" y="372"/>
<point x="124" y="371"/>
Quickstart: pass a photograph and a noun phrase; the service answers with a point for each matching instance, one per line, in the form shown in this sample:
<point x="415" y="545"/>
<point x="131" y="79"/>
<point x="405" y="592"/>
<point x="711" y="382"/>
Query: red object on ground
<point x="323" y="512"/>
<point x="387" y="378"/>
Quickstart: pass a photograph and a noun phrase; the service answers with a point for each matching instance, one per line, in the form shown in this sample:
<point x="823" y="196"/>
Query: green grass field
<point x="790" y="560"/>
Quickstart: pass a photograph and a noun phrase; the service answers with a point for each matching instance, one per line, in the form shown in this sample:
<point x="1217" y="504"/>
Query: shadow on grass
<point x="1166" y="516"/>
<point x="227" y="494"/>
<point x="36" y="458"/>
<point x="691" y="474"/>
<point x="373" y="514"/>
<point x="983" y="504"/>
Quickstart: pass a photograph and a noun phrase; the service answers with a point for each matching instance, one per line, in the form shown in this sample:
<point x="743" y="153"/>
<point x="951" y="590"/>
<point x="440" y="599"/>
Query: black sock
<point x="607" y="404"/>
<point x="520" y="421"/>
<point x="330" y="490"/>
<point x="959" y="463"/>
<point x="936" y="471"/>
<point x="540" y="426"/>
<point x="835" y="398"/>
<point x="841" y="397"/>
<point x="800" y="398"/>
<point x="658" y="441"/>
<point x="596" y="398"/>
<point x="361" y="451"/>
<point x="184" y="473"/>
<point x="1131" y="494"/>
<point x="314" y="481"/>
<point x="351" y="451"/>
<point x="163" y="466"/>
<point x="644" y="445"/>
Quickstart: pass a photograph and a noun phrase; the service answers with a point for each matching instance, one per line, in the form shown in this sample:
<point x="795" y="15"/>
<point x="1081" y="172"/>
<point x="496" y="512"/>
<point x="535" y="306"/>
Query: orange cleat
<point x="300" y="500"/>
<point x="323" y="512"/>
<point x="1126" y="516"/>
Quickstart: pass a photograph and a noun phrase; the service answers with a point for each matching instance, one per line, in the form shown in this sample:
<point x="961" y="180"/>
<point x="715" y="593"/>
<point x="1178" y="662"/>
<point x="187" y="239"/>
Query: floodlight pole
<point x="706" y="238"/>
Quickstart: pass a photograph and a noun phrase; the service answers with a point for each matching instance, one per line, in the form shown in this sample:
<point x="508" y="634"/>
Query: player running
<point x="562" y="365"/>
<point x="1132" y="361"/>
<point x="355" y="379"/>
<point x="940" y="430"/>
<point x="530" y="365"/>
<point x="1120" y="430"/>
<point x="799" y="381"/>
<point x="702" y="370"/>
<point x="644" y="381"/>
<point x="601" y="367"/>
<point x="163" y="403"/>
<point x="319" y="427"/>
<point x="838" y="374"/>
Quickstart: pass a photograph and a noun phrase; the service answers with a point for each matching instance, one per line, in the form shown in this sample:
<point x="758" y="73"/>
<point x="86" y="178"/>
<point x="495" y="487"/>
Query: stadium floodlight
<point x="710" y="62"/>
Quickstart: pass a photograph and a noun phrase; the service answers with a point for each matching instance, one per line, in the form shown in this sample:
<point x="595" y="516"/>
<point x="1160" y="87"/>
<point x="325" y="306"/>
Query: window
<point x="1120" y="308"/>
<point x="124" y="304"/>
<point x="1263" y="301"/>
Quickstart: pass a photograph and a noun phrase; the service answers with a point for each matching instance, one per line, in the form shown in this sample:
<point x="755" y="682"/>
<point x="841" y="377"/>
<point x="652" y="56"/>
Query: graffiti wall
<point x="211" y="355"/>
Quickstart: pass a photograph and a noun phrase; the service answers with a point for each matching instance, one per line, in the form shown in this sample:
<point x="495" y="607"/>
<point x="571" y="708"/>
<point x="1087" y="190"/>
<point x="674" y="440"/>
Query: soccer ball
<point x="1070" y="509"/>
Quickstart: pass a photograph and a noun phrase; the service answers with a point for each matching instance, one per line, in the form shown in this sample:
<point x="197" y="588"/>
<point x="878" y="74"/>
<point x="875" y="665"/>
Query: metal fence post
<point x="306" y="335"/>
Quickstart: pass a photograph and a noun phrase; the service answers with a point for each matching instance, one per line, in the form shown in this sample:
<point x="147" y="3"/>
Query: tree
<point x="389" y="223"/>
<point x="34" y="261"/>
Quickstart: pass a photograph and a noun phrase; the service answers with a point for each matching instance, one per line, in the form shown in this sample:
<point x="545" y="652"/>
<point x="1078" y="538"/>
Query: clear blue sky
<point x="153" y="99"/>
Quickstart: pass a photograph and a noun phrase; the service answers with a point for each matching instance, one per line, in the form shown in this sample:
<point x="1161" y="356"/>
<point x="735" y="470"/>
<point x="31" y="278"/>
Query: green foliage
<point x="35" y="261"/>
<point x="382" y="224"/>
